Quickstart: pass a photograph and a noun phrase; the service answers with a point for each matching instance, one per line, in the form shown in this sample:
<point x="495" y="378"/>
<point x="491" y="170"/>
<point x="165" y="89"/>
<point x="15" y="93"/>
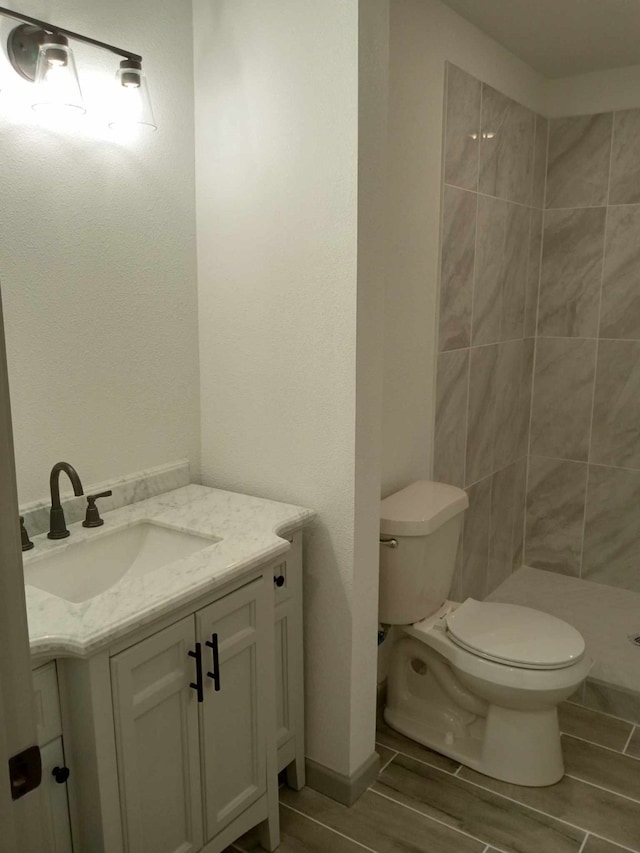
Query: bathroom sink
<point x="83" y="570"/>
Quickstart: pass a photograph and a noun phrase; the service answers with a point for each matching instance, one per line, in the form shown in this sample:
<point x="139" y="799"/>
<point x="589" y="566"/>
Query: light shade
<point x="132" y="105"/>
<point x="57" y="89"/>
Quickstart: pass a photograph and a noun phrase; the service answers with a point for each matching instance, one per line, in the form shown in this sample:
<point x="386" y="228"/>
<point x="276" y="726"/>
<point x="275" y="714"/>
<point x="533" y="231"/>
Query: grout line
<point x="331" y="829"/>
<point x="388" y="762"/>
<point x="602" y="788"/>
<point x="597" y="354"/>
<point x="614" y="843"/>
<point x="426" y="763"/>
<point x="601" y="713"/>
<point x="471" y="324"/>
<point x="584" y="843"/>
<point x="590" y="465"/>
<point x="498" y="197"/>
<point x="524" y="805"/>
<point x="601" y="746"/>
<point x="626" y="746"/>
<point x="432" y="818"/>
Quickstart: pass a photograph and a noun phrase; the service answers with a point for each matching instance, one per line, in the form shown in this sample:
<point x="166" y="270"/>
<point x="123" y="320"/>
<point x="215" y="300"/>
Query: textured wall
<point x="97" y="262"/>
<point x="283" y="297"/>
<point x="494" y="170"/>
<point x="583" y="514"/>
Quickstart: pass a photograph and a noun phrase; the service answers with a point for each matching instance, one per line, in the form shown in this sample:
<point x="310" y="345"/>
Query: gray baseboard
<point x="344" y="789"/>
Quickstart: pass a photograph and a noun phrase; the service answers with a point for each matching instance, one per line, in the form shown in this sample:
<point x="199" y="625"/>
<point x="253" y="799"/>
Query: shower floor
<point x="605" y="616"/>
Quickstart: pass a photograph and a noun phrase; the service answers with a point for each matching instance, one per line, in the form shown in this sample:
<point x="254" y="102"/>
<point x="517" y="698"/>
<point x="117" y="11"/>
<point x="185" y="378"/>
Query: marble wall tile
<point x="519" y="508"/>
<point x="526" y="395"/>
<point x="506" y="147"/>
<point x="620" y="313"/>
<point x="611" y="540"/>
<point x="508" y="378"/>
<point x="616" y="414"/>
<point x="458" y="258"/>
<point x="562" y="398"/>
<point x="514" y="271"/>
<point x="451" y="417"/>
<point x="487" y="293"/>
<point x="540" y="161"/>
<point x="533" y="274"/>
<point x="462" y="137"/>
<point x="572" y="258"/>
<point x="475" y="543"/>
<point x="555" y="514"/>
<point x="578" y="160"/>
<point x="625" y="158"/>
<point x="481" y="415"/>
<point x="500" y="563"/>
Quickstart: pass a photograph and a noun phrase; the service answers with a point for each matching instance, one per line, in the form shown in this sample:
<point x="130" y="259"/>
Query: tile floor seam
<point x="596" y="710"/>
<point x="530" y="807"/>
<point x="626" y="746"/>
<point x="324" y="825"/>
<point x="387" y="763"/>
<point x="426" y="763"/>
<point x="602" y="746"/>
<point x="436" y="820"/>
<point x="602" y="788"/>
<point x="615" y="843"/>
<point x="584" y="843"/>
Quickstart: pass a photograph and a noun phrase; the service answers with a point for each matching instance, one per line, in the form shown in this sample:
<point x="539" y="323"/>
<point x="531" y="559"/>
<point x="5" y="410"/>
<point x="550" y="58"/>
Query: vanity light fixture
<point x="40" y="52"/>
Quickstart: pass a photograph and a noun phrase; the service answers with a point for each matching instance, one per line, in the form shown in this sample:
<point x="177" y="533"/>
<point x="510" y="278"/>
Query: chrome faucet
<point x="57" y="524"/>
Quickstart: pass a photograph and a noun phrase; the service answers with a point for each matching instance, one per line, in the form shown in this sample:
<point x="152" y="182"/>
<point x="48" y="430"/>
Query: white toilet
<point x="477" y="681"/>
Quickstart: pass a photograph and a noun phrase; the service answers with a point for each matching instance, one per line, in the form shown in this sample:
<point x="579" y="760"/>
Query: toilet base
<point x="519" y="747"/>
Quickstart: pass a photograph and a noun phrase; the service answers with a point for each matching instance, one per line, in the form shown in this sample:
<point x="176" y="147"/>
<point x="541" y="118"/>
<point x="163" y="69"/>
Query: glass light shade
<point x="132" y="105"/>
<point x="57" y="86"/>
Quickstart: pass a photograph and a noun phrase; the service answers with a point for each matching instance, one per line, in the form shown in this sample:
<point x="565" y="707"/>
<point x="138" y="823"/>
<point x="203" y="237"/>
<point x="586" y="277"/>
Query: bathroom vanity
<point x="169" y="701"/>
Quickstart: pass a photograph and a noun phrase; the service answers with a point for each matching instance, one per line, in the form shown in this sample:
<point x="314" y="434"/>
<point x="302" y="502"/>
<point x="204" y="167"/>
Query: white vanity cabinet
<point x="191" y="759"/>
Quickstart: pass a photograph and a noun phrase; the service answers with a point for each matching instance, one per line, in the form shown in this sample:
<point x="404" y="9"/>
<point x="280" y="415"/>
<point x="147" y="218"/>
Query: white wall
<point x="597" y="92"/>
<point x="97" y="261"/>
<point x="283" y="334"/>
<point x="424" y="34"/>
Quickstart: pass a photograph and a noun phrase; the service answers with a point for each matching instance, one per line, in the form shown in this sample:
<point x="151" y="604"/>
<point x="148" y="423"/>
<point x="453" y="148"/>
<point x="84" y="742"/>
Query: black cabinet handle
<point x="279" y="580"/>
<point x="213" y="645"/>
<point x="198" y="686"/>
<point x="60" y="774"/>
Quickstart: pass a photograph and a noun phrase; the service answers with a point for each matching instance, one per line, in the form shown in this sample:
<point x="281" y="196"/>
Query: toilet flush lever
<point x="389" y="543"/>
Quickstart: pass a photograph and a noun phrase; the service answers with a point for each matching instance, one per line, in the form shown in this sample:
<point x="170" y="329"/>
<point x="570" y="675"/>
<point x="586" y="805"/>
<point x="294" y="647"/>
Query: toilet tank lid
<point x="420" y="508"/>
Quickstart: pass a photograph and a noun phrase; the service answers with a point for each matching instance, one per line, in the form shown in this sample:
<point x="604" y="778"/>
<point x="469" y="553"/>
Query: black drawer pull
<point x="60" y="774"/>
<point x="213" y="645"/>
<point x="279" y="581"/>
<point x="198" y="686"/>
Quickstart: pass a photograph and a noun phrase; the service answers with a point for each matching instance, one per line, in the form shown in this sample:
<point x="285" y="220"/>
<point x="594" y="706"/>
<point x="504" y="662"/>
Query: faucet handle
<point x="92" y="516"/>
<point x="27" y="544"/>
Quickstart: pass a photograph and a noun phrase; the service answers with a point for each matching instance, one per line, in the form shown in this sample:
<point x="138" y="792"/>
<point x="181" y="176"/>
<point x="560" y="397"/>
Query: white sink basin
<point x="83" y="570"/>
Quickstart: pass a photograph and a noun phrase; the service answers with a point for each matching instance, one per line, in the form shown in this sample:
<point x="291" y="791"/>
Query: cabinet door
<point x="156" y="721"/>
<point x="232" y="722"/>
<point x="55" y="805"/>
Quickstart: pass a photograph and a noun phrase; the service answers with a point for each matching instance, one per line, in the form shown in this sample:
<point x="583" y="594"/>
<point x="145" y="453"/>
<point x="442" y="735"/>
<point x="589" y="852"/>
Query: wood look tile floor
<point x="423" y="801"/>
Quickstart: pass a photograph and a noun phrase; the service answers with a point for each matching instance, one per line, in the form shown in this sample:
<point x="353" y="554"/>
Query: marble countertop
<point x="248" y="529"/>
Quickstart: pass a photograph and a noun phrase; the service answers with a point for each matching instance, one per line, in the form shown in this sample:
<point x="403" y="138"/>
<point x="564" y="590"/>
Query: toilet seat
<point x="513" y="635"/>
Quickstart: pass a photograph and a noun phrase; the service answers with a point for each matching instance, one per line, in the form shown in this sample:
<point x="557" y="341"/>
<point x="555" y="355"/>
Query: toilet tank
<point x="425" y="519"/>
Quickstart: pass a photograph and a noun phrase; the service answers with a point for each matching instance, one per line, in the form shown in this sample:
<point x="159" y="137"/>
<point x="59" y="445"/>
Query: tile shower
<point x="538" y="388"/>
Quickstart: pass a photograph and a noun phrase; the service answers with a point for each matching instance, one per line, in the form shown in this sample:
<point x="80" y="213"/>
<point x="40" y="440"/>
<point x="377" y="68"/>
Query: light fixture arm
<point x="50" y="28"/>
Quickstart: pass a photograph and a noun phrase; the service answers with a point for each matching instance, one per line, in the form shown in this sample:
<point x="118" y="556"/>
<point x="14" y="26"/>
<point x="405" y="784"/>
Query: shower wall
<point x="494" y="176"/>
<point x="583" y="513"/>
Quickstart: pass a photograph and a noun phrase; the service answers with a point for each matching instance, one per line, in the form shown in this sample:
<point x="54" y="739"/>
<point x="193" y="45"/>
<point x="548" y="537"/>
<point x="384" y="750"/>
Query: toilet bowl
<point x="477" y="681"/>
